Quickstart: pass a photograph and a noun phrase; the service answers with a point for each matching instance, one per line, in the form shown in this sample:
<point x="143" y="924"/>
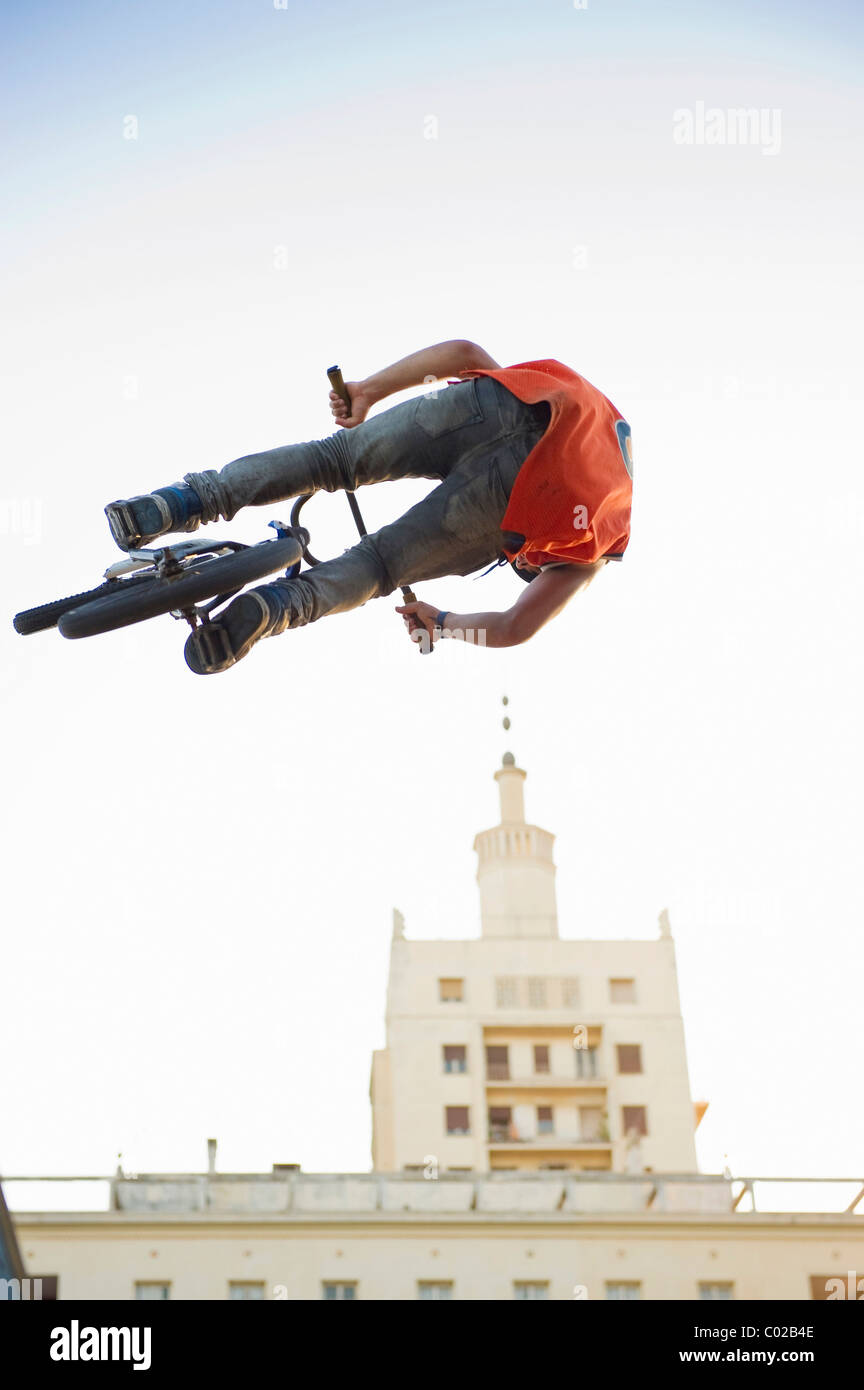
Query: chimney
<point x="211" y="1156"/>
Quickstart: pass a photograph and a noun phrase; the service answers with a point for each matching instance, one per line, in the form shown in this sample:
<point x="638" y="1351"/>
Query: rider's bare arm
<point x="429" y="364"/>
<point x="543" y="599"/>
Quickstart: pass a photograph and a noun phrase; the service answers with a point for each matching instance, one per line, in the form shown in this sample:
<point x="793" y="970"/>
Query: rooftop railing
<point x="517" y="1192"/>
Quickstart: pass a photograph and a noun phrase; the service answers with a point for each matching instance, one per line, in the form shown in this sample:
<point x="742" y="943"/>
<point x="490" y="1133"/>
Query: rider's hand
<point x="361" y="400"/>
<point x="418" y="617"/>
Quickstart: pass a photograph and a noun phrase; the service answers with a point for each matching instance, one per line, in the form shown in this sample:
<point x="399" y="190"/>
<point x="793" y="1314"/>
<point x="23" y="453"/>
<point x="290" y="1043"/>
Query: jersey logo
<point x="625" y="444"/>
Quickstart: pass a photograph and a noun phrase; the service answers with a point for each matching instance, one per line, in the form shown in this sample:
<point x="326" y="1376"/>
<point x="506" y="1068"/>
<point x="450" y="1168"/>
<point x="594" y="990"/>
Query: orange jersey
<point x="572" y="495"/>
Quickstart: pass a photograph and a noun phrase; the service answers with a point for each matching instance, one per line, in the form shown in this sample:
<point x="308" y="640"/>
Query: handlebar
<point x="334" y="376"/>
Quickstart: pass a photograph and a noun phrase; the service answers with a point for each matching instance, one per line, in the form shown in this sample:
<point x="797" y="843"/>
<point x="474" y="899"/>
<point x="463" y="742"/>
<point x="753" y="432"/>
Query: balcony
<point x="543" y="1081"/>
<point x="507" y="1137"/>
<point x="585" y="1067"/>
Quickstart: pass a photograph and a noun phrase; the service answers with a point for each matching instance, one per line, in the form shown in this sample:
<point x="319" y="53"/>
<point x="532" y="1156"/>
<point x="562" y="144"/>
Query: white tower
<point x="515" y="869"/>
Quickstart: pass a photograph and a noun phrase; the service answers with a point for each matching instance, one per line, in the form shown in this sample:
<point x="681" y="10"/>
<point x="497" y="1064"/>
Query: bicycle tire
<point x="198" y="582"/>
<point x="47" y="614"/>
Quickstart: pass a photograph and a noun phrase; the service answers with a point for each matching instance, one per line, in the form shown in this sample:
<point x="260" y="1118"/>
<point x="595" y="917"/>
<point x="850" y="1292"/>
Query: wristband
<point x="439" y="617"/>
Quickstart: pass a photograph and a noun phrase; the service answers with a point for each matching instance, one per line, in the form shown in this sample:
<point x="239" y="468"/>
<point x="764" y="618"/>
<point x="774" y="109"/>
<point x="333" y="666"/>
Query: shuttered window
<point x="629" y="1057"/>
<point x="536" y="993"/>
<point x="622" y="991"/>
<point x="450" y="991"/>
<point x="634" y="1117"/>
<point x="570" y="993"/>
<point x="507" y="992"/>
<point x="457" y="1119"/>
<point x="497" y="1063"/>
<point x="429" y="1290"/>
<point x="455" y="1057"/>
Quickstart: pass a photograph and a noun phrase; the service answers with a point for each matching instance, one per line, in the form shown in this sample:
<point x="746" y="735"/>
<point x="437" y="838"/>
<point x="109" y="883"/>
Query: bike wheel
<point x="47" y="614"/>
<point x="196" y="583"/>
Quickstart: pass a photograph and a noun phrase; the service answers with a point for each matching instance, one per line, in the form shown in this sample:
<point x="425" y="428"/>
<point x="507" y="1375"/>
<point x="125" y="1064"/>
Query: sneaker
<point x="139" y="520"/>
<point x="220" y="644"/>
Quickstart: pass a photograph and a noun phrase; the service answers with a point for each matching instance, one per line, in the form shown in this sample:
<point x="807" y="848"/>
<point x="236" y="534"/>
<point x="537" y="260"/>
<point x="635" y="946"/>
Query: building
<point x="520" y="1050"/>
<point x="532" y="1139"/>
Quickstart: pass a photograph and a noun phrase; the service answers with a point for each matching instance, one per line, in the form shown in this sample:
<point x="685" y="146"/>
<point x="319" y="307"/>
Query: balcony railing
<point x="268" y="1195"/>
<point x="504" y="1134"/>
<point x="586" y="1067"/>
<point x="546" y="1079"/>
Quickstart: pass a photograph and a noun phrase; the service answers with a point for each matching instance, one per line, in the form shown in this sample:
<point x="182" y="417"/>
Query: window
<point x="451" y="991"/>
<point x="497" y="1064"/>
<point x="243" y="1291"/>
<point x="541" y="1058"/>
<point x="536" y="993"/>
<point x="570" y="993"/>
<point x="457" y="1119"/>
<point x="634" y="1118"/>
<point x="500" y="1123"/>
<point x="530" y="1289"/>
<point x="591" y="1122"/>
<point x="622" y="991"/>
<point x="629" y="1057"/>
<point x="334" y="1291"/>
<point x="146" y="1290"/>
<point x="507" y="993"/>
<point x="586" y="1061"/>
<point x="428" y="1289"/>
<point x="709" y="1291"/>
<point x="545" y="1122"/>
<point x="455" y="1057"/>
<point x="825" y="1287"/>
<point x="624" y="1289"/>
<point x="46" y="1284"/>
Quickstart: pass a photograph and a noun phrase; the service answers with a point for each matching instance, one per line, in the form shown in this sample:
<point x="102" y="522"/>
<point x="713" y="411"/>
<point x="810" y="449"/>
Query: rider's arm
<point x="429" y="364"/>
<point x="543" y="599"/>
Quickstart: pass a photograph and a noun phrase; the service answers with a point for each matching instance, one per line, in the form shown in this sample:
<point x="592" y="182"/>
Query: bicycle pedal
<point x="213" y="641"/>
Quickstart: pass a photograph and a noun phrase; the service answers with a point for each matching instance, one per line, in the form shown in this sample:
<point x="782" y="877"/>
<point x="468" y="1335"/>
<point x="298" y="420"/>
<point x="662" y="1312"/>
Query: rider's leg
<point x="421" y="438"/>
<point x="455" y="530"/>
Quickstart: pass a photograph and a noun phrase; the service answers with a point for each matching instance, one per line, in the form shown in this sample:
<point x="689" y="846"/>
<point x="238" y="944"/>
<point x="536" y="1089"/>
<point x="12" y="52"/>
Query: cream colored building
<point x="467" y="1236"/>
<point x="532" y="1138"/>
<point x="519" y="1050"/>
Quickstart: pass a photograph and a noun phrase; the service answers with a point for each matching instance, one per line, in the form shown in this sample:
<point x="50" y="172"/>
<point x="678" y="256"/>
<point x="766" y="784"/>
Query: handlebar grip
<point x="334" y="376"/>
<point x="428" y="647"/>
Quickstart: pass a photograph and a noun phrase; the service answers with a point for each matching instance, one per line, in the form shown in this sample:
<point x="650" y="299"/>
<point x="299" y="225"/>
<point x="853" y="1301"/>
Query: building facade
<point x="533" y="1138"/>
<point x="520" y="1050"/>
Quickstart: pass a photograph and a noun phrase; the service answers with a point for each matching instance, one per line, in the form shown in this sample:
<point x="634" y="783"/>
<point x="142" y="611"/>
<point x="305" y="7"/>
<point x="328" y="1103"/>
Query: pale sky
<point x="200" y="873"/>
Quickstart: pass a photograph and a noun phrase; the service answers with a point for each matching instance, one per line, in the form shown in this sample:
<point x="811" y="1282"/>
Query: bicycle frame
<point x="145" y="558"/>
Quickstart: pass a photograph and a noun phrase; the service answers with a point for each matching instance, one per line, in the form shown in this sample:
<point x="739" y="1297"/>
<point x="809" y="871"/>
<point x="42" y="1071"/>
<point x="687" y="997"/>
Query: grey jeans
<point x="472" y="437"/>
